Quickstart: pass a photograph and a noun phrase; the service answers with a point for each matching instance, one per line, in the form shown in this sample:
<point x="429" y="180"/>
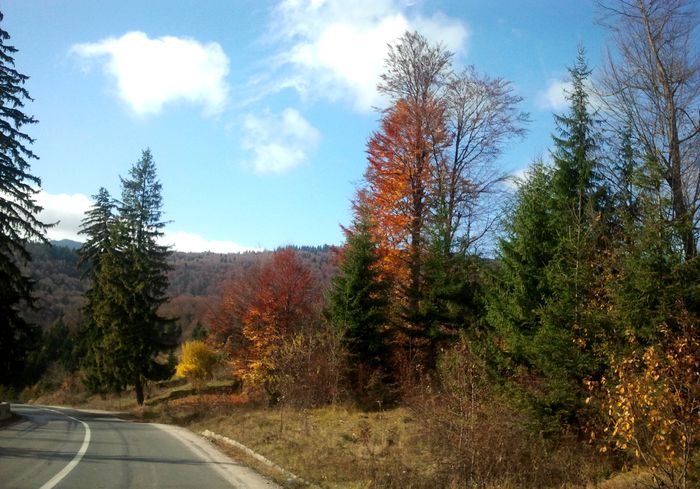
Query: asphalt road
<point x="63" y="448"/>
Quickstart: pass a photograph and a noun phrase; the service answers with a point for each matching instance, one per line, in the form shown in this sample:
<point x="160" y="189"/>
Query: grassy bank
<point x="345" y="448"/>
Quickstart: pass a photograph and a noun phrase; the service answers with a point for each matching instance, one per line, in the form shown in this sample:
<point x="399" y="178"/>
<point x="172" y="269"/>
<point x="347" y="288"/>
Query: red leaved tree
<point x="263" y="309"/>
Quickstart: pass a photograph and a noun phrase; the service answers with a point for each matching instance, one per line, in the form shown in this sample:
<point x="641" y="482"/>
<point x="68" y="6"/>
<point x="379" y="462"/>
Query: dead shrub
<point x="309" y="369"/>
<point x="480" y="440"/>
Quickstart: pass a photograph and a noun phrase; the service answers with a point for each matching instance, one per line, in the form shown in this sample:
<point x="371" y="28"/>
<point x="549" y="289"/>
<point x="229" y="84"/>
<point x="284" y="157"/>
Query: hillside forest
<point x="509" y="316"/>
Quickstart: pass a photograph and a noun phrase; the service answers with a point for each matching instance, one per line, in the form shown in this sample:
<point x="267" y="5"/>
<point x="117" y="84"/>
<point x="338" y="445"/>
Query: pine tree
<point x="550" y="302"/>
<point x="129" y="269"/>
<point x="18" y="221"/>
<point x="358" y="304"/>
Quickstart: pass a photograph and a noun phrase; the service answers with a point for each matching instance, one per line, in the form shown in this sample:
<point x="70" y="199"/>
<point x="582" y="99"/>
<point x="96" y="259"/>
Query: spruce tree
<point x="18" y="221"/>
<point x="357" y="305"/>
<point x="140" y="269"/>
<point x="567" y="347"/>
<point x="647" y="287"/>
<point x="520" y="286"/>
<point x="549" y="301"/>
<point x="97" y="226"/>
<point x="128" y="268"/>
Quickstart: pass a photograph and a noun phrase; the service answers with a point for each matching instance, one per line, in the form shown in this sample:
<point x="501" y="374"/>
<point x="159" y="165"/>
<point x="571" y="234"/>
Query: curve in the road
<point x="78" y="456"/>
<point x="87" y="449"/>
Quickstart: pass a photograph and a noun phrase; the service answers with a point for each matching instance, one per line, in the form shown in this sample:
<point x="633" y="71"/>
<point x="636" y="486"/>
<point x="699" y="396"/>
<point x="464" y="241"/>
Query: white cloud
<point x="152" y="72"/>
<point x="279" y="142"/>
<point x="194" y="243"/>
<point x="516" y="178"/>
<point x="337" y="49"/>
<point x="554" y="96"/>
<point x="64" y="209"/>
<point x="68" y="210"/>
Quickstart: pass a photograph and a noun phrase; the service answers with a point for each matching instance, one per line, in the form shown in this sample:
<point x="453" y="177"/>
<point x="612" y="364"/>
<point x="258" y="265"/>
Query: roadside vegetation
<point x="471" y="335"/>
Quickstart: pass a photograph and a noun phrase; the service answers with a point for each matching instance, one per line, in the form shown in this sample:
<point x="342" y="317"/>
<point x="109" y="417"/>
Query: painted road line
<point x="78" y="456"/>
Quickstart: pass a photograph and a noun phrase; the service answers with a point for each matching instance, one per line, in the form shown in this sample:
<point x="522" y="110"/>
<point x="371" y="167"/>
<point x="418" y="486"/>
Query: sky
<point x="258" y="113"/>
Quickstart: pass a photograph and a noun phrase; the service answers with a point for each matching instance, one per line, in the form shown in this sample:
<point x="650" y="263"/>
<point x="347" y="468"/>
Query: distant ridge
<point x="67" y="243"/>
<point x="196" y="281"/>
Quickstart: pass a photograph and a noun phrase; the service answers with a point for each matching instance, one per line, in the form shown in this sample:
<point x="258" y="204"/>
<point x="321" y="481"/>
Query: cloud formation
<point x="194" y="243"/>
<point x="153" y="72"/>
<point x="65" y="210"/>
<point x="279" y="142"/>
<point x="554" y="96"/>
<point x="68" y="210"/>
<point x="336" y="49"/>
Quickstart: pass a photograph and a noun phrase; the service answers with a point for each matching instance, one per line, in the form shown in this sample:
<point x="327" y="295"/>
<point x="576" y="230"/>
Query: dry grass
<point x="345" y="448"/>
<point x="334" y="446"/>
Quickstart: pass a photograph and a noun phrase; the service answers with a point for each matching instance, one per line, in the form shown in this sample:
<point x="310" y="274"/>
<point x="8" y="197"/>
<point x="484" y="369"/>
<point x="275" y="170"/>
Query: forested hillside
<point x="196" y="281"/>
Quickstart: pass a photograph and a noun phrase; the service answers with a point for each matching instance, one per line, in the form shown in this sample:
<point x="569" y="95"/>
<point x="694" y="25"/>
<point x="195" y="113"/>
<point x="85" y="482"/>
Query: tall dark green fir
<point x="128" y="267"/>
<point x="357" y="305"/>
<point x="18" y="215"/>
<point x="142" y="277"/>
<point x="548" y="300"/>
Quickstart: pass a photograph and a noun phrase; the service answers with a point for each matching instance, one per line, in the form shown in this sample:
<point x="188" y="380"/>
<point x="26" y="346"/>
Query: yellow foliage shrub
<point x="196" y="363"/>
<point x="653" y="405"/>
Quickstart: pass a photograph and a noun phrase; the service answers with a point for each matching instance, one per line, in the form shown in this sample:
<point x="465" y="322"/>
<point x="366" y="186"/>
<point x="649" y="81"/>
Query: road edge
<point x="238" y="474"/>
<point x="260" y="458"/>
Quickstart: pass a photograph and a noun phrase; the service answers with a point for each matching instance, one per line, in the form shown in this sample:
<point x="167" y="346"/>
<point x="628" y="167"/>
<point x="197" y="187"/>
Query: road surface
<point x="64" y="448"/>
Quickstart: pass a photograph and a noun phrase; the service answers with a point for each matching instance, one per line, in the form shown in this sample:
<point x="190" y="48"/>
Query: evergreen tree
<point x="453" y="296"/>
<point x="552" y="296"/>
<point x="570" y="344"/>
<point x="520" y="286"/>
<point x="18" y="221"/>
<point x="357" y="304"/>
<point x="129" y="271"/>
<point x="199" y="332"/>
<point x="140" y="272"/>
<point x="574" y="153"/>
<point x="97" y="226"/>
<point x="647" y="287"/>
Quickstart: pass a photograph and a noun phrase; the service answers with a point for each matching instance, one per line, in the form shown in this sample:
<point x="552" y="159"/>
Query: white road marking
<point x="78" y="456"/>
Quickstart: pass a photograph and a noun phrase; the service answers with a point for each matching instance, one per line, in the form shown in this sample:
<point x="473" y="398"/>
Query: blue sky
<point x="257" y="112"/>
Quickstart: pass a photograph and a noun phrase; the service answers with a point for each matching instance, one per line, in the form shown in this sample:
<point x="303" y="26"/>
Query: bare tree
<point x="652" y="83"/>
<point x="415" y="70"/>
<point x="481" y="118"/>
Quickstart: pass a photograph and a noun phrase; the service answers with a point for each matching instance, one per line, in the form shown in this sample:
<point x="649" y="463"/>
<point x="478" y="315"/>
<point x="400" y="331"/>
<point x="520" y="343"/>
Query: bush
<point x="479" y="439"/>
<point x="653" y="404"/>
<point x="309" y="369"/>
<point x="197" y="363"/>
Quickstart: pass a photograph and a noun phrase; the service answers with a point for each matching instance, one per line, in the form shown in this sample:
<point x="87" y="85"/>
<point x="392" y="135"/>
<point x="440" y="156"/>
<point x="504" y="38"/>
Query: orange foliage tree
<point x="401" y="160"/>
<point x="399" y="181"/>
<point x="261" y="310"/>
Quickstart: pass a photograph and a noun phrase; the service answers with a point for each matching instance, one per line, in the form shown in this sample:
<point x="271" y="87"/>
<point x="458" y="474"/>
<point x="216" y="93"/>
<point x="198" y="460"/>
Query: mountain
<point x="196" y="281"/>
<point x="67" y="243"/>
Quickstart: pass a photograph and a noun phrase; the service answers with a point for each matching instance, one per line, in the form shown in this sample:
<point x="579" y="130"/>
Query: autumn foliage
<point x="196" y="363"/>
<point x="261" y="310"/>
<point x="653" y="405"/>
<point x="399" y="177"/>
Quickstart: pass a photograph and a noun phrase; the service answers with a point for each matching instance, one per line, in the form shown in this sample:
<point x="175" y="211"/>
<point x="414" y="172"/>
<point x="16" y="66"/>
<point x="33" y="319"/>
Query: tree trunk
<point x="138" y="387"/>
